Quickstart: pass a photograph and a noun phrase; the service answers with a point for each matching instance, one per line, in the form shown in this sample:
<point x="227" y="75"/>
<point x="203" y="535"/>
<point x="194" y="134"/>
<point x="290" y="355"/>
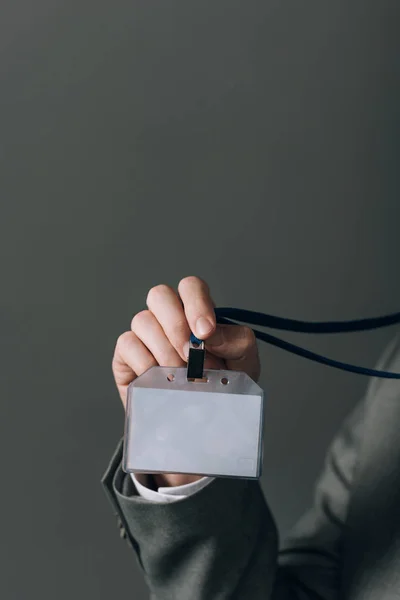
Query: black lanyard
<point x="225" y="314"/>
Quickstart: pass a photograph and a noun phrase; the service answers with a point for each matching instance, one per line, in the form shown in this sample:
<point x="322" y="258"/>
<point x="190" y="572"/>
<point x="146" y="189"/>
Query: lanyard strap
<point x="225" y="314"/>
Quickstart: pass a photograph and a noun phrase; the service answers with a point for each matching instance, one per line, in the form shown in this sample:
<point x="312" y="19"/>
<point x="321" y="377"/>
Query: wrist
<point x="174" y="479"/>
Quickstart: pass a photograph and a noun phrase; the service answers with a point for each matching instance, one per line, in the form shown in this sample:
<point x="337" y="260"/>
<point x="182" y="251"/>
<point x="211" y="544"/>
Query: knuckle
<point x="192" y="280"/>
<point x="140" y="318"/>
<point x="122" y="348"/>
<point x="157" y="292"/>
<point x="123" y="340"/>
<point x="249" y="336"/>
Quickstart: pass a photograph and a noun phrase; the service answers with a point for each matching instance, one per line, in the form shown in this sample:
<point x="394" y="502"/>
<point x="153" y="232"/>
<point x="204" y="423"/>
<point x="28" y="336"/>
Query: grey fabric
<point x="222" y="542"/>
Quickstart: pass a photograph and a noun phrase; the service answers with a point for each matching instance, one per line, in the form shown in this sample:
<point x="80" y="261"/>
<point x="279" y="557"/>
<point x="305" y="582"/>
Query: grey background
<point x="254" y="144"/>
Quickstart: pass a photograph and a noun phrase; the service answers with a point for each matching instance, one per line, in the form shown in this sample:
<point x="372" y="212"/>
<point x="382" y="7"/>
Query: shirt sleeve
<point x="167" y="494"/>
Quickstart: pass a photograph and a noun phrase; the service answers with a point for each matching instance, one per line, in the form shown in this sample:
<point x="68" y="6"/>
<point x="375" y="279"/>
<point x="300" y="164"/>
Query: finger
<point x="213" y="362"/>
<point x="149" y="331"/>
<point x="131" y="359"/>
<point x="198" y="306"/>
<point x="167" y="308"/>
<point x="237" y="345"/>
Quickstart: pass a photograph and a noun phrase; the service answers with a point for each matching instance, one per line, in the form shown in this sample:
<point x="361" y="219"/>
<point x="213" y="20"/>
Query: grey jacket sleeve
<point x="221" y="542"/>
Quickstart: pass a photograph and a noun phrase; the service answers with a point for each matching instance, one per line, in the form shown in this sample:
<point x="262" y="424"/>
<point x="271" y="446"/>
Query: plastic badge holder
<point x="211" y="426"/>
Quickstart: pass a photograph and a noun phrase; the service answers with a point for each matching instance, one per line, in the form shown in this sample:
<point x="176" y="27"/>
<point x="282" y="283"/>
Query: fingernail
<point x="203" y="327"/>
<point x="186" y="350"/>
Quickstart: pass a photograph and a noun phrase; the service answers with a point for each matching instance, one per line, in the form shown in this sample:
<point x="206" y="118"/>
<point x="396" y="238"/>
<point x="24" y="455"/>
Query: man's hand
<point x="160" y="336"/>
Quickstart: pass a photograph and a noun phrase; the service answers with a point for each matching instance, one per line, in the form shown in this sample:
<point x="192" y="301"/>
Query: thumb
<point x="237" y="345"/>
<point x="231" y="342"/>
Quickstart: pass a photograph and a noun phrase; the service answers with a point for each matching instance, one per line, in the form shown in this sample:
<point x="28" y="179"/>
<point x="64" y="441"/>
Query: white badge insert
<point x="210" y="427"/>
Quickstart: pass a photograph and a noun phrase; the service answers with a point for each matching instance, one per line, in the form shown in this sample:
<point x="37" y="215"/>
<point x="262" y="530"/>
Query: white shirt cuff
<point x="168" y="494"/>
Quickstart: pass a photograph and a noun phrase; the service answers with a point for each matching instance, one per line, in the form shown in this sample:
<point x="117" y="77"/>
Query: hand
<point x="160" y="336"/>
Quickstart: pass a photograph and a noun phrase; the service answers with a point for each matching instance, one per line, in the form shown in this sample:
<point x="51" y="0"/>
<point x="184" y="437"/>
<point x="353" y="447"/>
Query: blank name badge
<point x="211" y="426"/>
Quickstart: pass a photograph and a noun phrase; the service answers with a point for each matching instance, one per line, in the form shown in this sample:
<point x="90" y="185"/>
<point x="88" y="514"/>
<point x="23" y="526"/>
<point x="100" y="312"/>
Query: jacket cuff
<point x="226" y="518"/>
<point x="168" y="494"/>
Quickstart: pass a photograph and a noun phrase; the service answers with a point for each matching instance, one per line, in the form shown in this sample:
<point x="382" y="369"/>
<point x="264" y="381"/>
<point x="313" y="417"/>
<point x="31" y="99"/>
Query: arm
<point x="221" y="542"/>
